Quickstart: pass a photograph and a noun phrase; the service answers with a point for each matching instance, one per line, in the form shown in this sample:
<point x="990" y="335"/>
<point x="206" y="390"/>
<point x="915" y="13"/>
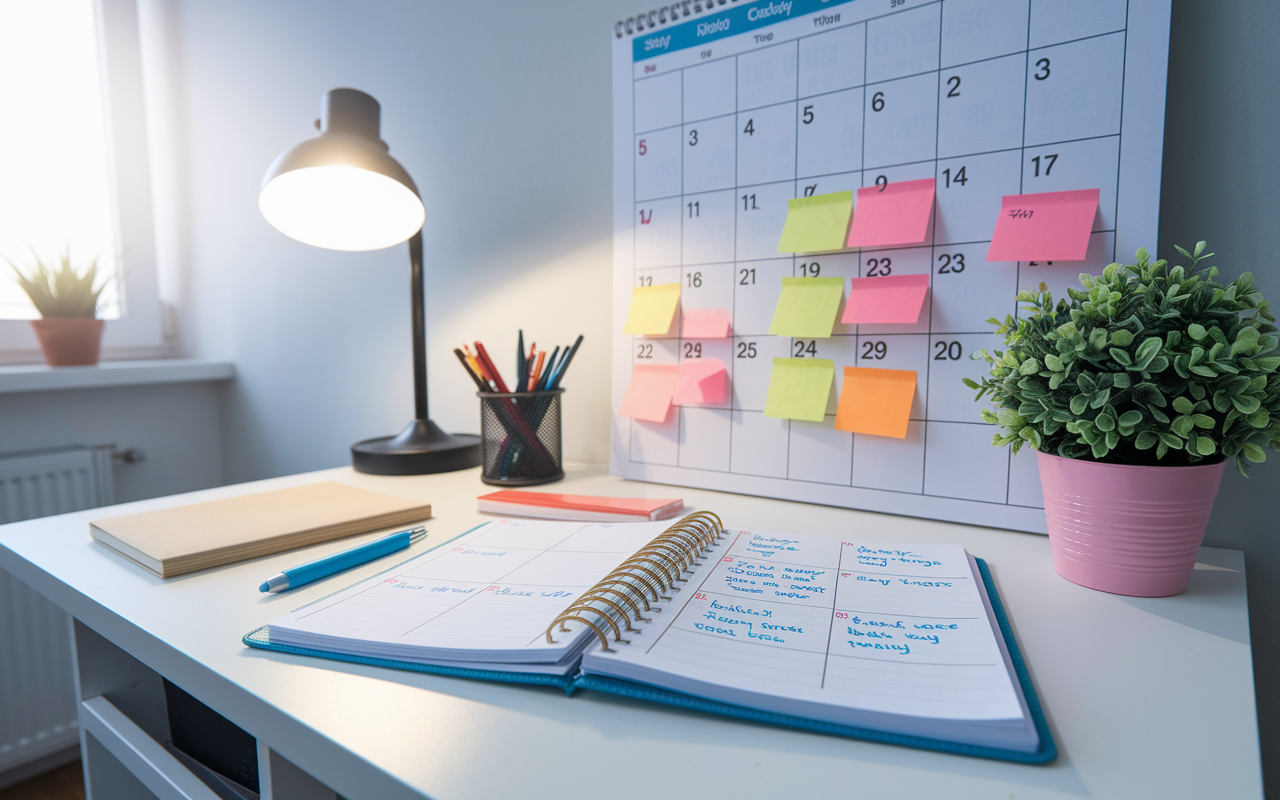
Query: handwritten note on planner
<point x="894" y="214"/>
<point x="817" y="223"/>
<point x="705" y="323"/>
<point x="876" y="401"/>
<point x="890" y="299"/>
<point x="1049" y="226"/>
<point x="652" y="388"/>
<point x="489" y="592"/>
<point x="807" y="307"/>
<point x="873" y="626"/>
<point x="652" y="309"/>
<point x="701" y="380"/>
<point x="799" y="388"/>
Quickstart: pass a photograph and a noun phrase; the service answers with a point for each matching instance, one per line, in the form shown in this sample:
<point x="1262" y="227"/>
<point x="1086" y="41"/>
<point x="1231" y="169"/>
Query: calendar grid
<point x="709" y="135"/>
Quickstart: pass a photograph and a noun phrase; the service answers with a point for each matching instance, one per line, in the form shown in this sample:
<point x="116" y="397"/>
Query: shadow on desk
<point x="1216" y="583"/>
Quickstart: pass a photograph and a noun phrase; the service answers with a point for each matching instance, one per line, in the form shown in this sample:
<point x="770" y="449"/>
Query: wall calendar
<point x="725" y="116"/>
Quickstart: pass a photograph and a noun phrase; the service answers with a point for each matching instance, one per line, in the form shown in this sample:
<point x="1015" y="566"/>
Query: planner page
<point x="487" y="596"/>
<point x="889" y="636"/>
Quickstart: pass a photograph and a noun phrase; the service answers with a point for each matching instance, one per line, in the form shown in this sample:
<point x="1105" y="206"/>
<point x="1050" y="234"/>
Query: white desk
<point x="1145" y="697"/>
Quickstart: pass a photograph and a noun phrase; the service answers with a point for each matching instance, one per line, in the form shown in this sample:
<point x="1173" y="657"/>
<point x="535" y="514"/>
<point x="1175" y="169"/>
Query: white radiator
<point x="37" y="698"/>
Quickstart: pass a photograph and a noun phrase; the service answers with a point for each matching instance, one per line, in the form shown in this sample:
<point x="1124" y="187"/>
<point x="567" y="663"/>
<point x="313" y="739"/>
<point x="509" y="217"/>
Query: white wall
<point x="500" y="111"/>
<point x="176" y="425"/>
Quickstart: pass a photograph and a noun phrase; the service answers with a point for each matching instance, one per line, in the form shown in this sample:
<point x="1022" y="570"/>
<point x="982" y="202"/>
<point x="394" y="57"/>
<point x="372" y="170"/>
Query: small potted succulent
<point x="1135" y="392"/>
<point x="67" y="300"/>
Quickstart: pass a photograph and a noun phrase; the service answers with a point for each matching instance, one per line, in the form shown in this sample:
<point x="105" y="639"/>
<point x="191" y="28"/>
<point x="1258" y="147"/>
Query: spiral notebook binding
<point x="665" y="14"/>
<point x="655" y="568"/>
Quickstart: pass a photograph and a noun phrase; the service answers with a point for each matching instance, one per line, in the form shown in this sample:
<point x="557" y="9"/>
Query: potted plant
<point x="1135" y="392"/>
<point x="67" y="300"/>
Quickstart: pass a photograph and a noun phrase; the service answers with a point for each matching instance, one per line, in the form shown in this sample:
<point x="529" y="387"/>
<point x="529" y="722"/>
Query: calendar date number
<point x="802" y="348"/>
<point x="746" y="349"/>
<point x="947" y="351"/>
<point x="950" y="263"/>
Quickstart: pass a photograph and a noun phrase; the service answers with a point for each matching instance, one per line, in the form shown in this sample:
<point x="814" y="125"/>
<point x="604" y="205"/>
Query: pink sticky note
<point x="702" y="380"/>
<point x="1050" y="226"/>
<point x="649" y="395"/>
<point x="896" y="213"/>
<point x="892" y="299"/>
<point x="706" y="323"/>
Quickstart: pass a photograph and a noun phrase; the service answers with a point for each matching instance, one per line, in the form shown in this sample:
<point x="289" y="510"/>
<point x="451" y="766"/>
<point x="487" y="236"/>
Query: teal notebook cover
<point x="1047" y="751"/>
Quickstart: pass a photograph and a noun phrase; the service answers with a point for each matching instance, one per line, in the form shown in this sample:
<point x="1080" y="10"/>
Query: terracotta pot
<point x="69" y="341"/>
<point x="1125" y="529"/>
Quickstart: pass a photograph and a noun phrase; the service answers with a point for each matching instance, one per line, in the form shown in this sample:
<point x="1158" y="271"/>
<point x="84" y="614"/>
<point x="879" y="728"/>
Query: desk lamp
<point x="343" y="191"/>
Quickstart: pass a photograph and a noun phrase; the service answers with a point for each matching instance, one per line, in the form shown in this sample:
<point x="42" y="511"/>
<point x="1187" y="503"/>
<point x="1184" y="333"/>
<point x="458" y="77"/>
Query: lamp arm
<point x="419" y="328"/>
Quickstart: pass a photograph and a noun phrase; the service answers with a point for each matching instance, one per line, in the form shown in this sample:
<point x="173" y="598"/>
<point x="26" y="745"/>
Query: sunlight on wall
<point x="54" y="182"/>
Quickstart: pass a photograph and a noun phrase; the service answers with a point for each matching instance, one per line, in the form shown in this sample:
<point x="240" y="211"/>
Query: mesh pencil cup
<point x="521" y="437"/>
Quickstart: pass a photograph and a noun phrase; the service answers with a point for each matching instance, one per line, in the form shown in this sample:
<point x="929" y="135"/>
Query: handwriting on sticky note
<point x="893" y="214"/>
<point x="702" y="380"/>
<point x="1047" y="226"/>
<point x="807" y="307"/>
<point x="652" y="309"/>
<point x="888" y="300"/>
<point x="705" y="323"/>
<point x="650" y="393"/>
<point x="876" y="401"/>
<point x="799" y="388"/>
<point x="816" y="223"/>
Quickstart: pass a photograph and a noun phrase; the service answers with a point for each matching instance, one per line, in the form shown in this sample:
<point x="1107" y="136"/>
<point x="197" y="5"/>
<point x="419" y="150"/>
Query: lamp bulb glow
<point x="341" y="208"/>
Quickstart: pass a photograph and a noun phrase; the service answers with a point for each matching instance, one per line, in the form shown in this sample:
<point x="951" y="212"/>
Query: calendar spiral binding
<point x="665" y="14"/>
<point x="654" y="569"/>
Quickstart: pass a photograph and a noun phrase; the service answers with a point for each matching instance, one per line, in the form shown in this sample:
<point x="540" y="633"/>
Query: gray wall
<point x="501" y="111"/>
<point x="1221" y="183"/>
<point x="506" y="131"/>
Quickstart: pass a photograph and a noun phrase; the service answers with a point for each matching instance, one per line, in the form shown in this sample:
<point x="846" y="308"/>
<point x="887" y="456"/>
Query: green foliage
<point x="1145" y="364"/>
<point x="57" y="289"/>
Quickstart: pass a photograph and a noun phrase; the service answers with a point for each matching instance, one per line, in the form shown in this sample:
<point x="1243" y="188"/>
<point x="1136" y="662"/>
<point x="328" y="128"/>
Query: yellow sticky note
<point x="816" y="223"/>
<point x="807" y="307"/>
<point x="799" y="388"/>
<point x="652" y="309"/>
<point x="876" y="401"/>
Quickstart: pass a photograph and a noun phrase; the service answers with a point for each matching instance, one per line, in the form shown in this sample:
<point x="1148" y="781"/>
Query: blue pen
<point x="331" y="565"/>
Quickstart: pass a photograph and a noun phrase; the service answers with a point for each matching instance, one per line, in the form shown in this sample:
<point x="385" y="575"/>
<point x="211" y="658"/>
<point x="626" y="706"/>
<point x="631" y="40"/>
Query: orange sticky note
<point x="893" y="214"/>
<point x="1049" y="226"/>
<point x="702" y="380"/>
<point x="876" y="401"/>
<point x="705" y="323"/>
<point x="891" y="299"/>
<point x="649" y="395"/>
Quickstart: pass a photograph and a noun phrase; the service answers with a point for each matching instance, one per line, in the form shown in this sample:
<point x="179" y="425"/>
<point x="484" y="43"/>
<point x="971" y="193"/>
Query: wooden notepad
<point x="175" y="541"/>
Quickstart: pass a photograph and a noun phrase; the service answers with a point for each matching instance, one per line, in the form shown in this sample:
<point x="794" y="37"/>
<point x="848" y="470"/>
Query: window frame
<point x="139" y="333"/>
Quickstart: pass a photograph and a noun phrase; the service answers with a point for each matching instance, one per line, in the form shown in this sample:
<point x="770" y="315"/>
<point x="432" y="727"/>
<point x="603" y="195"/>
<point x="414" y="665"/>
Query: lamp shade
<point x="342" y="190"/>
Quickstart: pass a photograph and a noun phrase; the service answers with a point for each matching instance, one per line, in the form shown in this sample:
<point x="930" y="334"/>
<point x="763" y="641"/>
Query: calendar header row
<point x="741" y="19"/>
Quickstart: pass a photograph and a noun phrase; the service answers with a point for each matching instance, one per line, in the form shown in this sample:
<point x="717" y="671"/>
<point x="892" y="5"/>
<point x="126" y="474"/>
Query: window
<point x="73" y="163"/>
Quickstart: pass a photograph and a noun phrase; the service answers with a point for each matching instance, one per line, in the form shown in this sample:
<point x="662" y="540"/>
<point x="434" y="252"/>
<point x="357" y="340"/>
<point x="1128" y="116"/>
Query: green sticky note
<point x="799" y="388"/>
<point x="807" y="307"/>
<point x="816" y="223"/>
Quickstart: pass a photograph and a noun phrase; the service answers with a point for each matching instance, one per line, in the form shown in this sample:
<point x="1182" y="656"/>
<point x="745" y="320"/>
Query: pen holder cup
<point x="521" y="437"/>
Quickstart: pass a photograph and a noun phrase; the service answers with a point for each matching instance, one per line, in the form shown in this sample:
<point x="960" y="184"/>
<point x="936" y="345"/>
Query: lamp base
<point x="420" y="449"/>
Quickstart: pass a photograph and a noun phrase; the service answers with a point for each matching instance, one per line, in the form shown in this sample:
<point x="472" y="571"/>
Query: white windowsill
<point x="40" y="378"/>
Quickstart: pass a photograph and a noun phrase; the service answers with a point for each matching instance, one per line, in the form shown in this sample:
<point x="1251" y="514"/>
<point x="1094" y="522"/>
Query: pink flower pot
<point x="1125" y="529"/>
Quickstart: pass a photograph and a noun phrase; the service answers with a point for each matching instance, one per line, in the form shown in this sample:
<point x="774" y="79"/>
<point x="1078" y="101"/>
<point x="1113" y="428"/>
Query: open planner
<point x="905" y="644"/>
